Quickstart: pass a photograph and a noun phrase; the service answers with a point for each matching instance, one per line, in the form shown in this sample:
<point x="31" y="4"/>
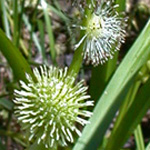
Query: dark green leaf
<point x="15" y="59"/>
<point x="6" y="104"/>
<point x="115" y="92"/>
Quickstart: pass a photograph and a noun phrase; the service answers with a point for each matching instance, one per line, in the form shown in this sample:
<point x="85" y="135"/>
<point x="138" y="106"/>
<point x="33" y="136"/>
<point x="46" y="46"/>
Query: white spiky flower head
<point x="49" y="108"/>
<point x="104" y="33"/>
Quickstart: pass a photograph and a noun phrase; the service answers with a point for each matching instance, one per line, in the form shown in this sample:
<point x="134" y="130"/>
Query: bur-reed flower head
<point x="104" y="32"/>
<point x="48" y="109"/>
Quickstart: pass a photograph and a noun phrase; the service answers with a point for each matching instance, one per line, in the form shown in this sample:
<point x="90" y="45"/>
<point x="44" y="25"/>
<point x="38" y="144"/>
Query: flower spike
<point x="104" y="33"/>
<point x="49" y="108"/>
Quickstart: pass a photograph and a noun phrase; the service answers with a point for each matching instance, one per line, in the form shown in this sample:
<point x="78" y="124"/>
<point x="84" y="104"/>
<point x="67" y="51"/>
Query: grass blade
<point x="59" y="13"/>
<point x="139" y="138"/>
<point x="117" y="88"/>
<point x="41" y="29"/>
<point x="130" y="98"/>
<point x="35" y="39"/>
<point x="20" y="18"/>
<point x="6" y="104"/>
<point x="5" y="19"/>
<point x="50" y="31"/>
<point x="15" y="59"/>
<point x="15" y="20"/>
<point x="131" y="118"/>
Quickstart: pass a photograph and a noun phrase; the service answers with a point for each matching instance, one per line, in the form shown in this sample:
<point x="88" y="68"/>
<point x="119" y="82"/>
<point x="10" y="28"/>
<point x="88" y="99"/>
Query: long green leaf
<point x="49" y="30"/>
<point x="59" y="13"/>
<point x="6" y="104"/>
<point x="29" y="27"/>
<point x="41" y="30"/>
<point x="78" y="57"/>
<point x="15" y="59"/>
<point x="139" y="137"/>
<point x="131" y="119"/>
<point x="117" y="88"/>
<point x="5" y="19"/>
<point x="15" y="19"/>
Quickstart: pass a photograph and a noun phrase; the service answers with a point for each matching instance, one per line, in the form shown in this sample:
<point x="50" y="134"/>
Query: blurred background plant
<point x="41" y="32"/>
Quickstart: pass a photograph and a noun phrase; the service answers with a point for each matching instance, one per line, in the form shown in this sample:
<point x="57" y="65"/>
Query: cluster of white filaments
<point x="49" y="108"/>
<point x="104" y="33"/>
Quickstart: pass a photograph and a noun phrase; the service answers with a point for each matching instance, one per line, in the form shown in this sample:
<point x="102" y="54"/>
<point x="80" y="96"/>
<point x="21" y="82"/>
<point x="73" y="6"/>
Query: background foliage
<point x="32" y="35"/>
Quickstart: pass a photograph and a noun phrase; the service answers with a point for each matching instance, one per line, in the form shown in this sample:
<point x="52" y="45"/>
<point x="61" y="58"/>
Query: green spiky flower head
<point x="104" y="31"/>
<point x="49" y="108"/>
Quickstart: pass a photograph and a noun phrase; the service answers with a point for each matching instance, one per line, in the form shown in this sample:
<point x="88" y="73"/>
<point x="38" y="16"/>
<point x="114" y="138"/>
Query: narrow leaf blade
<point x="117" y="88"/>
<point x="15" y="59"/>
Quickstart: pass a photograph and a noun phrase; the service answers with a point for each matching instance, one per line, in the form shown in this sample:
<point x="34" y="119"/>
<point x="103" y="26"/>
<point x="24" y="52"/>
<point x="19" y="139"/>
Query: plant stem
<point x="139" y="138"/>
<point x="127" y="102"/>
<point x="20" y="19"/>
<point x="15" y="19"/>
<point x="77" y="58"/>
<point x="50" y="35"/>
<point x="5" y="19"/>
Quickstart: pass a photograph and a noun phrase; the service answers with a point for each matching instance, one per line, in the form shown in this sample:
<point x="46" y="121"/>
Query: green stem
<point x="8" y="127"/>
<point x="127" y="102"/>
<point x="77" y="58"/>
<point x="139" y="138"/>
<point x="41" y="29"/>
<point x="32" y="35"/>
<point x="31" y="26"/>
<point x="50" y="35"/>
<point x="5" y="19"/>
<point x="20" y="19"/>
<point x="15" y="19"/>
<point x="76" y="62"/>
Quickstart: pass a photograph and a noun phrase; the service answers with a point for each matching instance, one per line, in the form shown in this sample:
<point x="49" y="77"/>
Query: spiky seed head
<point x="48" y="109"/>
<point x="104" y="33"/>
